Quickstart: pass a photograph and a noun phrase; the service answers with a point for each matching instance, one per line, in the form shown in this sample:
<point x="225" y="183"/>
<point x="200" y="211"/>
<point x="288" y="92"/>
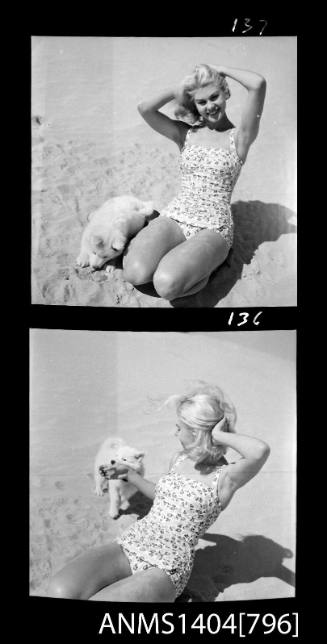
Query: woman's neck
<point x="208" y="468"/>
<point x="222" y="126"/>
<point x="203" y="467"/>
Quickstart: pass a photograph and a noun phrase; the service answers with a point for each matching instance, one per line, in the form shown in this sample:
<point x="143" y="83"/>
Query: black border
<point x="50" y="618"/>
<point x="188" y="21"/>
<point x="164" y="319"/>
<point x="72" y="619"/>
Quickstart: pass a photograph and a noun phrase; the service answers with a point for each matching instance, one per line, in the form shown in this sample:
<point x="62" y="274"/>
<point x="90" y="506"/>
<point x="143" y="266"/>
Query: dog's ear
<point x="119" y="243"/>
<point x="140" y="455"/>
<point x="98" y="241"/>
<point x="90" y="215"/>
<point x="145" y="208"/>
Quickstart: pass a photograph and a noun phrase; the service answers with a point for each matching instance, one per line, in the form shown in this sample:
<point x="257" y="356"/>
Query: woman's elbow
<point x="263" y="452"/>
<point x="261" y="83"/>
<point x="141" y="107"/>
<point x="258" y="84"/>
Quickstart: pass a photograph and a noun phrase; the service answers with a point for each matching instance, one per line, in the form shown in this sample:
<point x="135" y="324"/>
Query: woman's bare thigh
<point x="189" y="263"/>
<point x="148" y="247"/>
<point x="90" y="572"/>
<point x="151" y="585"/>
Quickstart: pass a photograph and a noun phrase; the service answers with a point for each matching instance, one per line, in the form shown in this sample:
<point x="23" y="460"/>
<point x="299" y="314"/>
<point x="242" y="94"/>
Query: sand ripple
<point x="62" y="527"/>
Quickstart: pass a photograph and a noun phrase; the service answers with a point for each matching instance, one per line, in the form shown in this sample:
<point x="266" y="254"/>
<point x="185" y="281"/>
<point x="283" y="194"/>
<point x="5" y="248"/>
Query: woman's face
<point x="185" y="434"/>
<point x="210" y="102"/>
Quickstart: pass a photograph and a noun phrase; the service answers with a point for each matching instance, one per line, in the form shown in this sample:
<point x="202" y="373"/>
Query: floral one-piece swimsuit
<point x="208" y="177"/>
<point x="183" y="509"/>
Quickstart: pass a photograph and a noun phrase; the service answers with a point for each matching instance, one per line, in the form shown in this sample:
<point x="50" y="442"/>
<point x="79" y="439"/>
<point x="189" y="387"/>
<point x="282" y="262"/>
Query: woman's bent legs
<point x="151" y="585"/>
<point x="177" y="267"/>
<point x="90" y="572"/>
<point x="104" y="574"/>
<point x="148" y="247"/>
<point x="186" y="269"/>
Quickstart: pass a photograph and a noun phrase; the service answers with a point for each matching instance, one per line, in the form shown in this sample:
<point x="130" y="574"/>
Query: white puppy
<point x="110" y="228"/>
<point x="113" y="457"/>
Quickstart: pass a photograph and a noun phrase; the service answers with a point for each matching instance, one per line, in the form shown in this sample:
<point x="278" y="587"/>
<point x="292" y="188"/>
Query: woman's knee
<point x="167" y="284"/>
<point x="62" y="588"/>
<point x="136" y="271"/>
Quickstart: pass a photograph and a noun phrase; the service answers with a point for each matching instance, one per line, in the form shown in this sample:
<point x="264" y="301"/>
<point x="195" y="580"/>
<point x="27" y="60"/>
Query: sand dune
<point x="84" y="386"/>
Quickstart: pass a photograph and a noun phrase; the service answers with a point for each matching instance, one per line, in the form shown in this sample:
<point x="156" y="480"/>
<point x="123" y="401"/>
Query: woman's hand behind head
<point x="221" y="427"/>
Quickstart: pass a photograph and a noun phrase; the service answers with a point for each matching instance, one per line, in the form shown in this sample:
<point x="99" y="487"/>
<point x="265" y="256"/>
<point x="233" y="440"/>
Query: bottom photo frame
<point x="99" y="399"/>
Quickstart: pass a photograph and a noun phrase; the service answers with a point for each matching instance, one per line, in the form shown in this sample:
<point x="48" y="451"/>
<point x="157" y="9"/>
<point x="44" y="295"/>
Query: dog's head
<point x="122" y="458"/>
<point x="129" y="457"/>
<point x="113" y="225"/>
<point x="104" y="247"/>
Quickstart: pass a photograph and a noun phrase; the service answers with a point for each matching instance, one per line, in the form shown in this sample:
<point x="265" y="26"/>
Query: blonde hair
<point x="201" y="409"/>
<point x="201" y="76"/>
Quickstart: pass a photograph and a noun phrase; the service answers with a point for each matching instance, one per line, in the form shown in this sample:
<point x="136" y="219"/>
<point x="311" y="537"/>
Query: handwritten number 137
<point x="248" y="26"/>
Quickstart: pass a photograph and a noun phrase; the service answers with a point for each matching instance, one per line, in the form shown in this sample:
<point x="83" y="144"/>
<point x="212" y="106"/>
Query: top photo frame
<point x="164" y="171"/>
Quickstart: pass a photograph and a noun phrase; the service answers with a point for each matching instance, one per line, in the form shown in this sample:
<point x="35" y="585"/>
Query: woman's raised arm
<point x="254" y="454"/>
<point x="149" y="110"/>
<point x="252" y="110"/>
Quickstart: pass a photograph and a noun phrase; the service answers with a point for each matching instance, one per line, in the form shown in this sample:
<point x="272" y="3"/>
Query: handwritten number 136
<point x="244" y="318"/>
<point x="248" y="26"/>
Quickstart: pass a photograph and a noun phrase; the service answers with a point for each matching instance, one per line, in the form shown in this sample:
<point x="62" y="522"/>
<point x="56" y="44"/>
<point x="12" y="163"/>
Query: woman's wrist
<point x="220" y="436"/>
<point x="249" y="80"/>
<point x="133" y="477"/>
<point x="219" y="68"/>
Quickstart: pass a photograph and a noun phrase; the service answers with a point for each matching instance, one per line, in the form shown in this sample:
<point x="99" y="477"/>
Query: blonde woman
<point x="152" y="559"/>
<point x="180" y="249"/>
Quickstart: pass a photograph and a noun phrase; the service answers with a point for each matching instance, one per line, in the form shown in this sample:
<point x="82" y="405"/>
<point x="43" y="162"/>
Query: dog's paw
<point x="124" y="505"/>
<point x="114" y="514"/>
<point x="83" y="260"/>
<point x="99" y="491"/>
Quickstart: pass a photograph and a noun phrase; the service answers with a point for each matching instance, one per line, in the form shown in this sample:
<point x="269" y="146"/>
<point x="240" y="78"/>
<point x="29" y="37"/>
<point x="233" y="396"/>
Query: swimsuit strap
<point x="186" y="139"/>
<point x="216" y="481"/>
<point x="217" y="472"/>
<point x="232" y="139"/>
<point x="187" y="136"/>
<point x="179" y="458"/>
<point x="233" y="145"/>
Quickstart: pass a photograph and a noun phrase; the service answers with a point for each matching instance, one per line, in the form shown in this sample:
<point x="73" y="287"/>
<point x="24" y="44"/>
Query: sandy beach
<point x="89" y="143"/>
<point x="86" y="386"/>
